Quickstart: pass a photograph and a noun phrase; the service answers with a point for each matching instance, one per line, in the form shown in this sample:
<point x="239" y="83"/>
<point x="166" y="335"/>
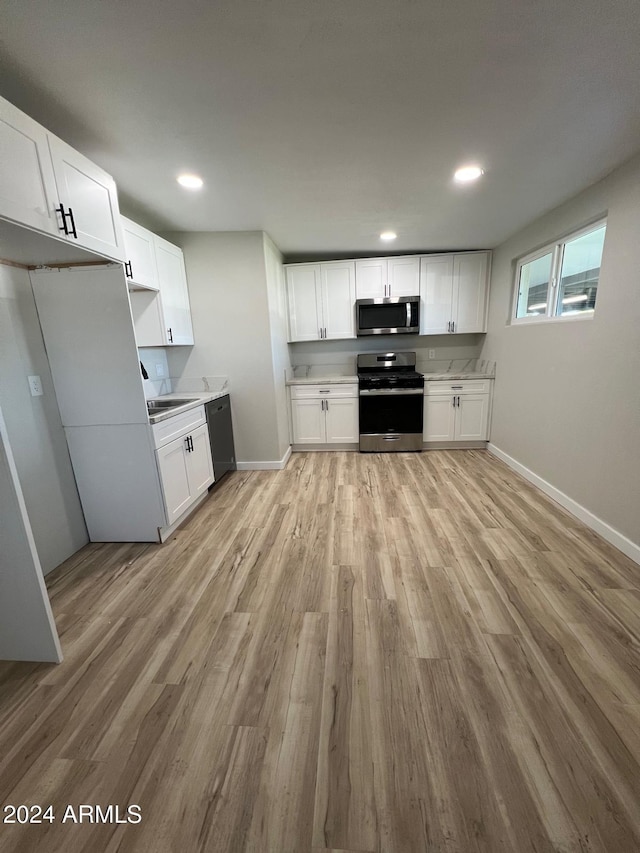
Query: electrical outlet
<point x="432" y="353"/>
<point x="159" y="370"/>
<point x="35" y="386"/>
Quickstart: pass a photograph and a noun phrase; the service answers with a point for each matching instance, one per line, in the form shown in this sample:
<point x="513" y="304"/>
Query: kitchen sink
<point x="155" y="406"/>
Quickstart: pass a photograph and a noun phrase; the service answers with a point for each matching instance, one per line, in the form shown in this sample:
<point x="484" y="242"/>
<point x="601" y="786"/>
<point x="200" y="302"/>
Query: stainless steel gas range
<point x="390" y="402"/>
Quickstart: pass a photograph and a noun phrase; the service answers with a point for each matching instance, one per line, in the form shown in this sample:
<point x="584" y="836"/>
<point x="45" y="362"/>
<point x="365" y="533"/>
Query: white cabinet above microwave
<point x="384" y="278"/>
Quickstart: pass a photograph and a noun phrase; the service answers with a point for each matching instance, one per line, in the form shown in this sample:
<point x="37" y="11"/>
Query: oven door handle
<point x="385" y="392"/>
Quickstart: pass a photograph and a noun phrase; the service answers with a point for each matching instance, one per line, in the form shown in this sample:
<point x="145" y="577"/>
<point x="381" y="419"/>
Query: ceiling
<point x="326" y="122"/>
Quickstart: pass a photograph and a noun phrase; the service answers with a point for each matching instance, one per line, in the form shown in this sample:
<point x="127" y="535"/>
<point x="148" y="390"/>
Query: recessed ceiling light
<point x="466" y="174"/>
<point x="388" y="235"/>
<point x="191" y="182"/>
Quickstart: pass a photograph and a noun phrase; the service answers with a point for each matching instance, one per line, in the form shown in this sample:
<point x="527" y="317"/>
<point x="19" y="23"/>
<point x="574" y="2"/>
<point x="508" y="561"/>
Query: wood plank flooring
<point x="361" y="653"/>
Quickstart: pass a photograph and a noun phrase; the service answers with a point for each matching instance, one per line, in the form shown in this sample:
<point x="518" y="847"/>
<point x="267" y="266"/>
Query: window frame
<point x="556" y="249"/>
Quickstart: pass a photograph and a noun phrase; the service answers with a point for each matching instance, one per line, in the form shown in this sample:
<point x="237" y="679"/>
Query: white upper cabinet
<point x="436" y="291"/>
<point x="172" y="279"/>
<point x="321" y="300"/>
<point x="371" y="278"/>
<point x="87" y="202"/>
<point x="338" y="296"/>
<point x="470" y="276"/>
<point x="158" y="294"/>
<point x="305" y="304"/>
<point x="380" y="278"/>
<point x="27" y="183"/>
<point x="453" y="290"/>
<point x="403" y="275"/>
<point x="140" y="257"/>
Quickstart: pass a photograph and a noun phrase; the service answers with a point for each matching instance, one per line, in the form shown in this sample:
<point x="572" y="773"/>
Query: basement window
<point x="560" y="280"/>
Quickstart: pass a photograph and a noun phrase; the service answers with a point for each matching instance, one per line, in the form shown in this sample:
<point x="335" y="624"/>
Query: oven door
<point x="391" y="419"/>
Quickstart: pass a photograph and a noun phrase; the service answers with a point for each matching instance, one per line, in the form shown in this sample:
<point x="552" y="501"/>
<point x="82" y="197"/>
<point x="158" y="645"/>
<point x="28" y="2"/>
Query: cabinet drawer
<point x="463" y="386"/>
<point x="318" y="392"/>
<point x="174" y="427"/>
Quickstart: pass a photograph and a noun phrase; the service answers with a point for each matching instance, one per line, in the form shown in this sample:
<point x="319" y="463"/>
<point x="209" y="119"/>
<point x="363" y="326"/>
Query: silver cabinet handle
<point x="323" y="391"/>
<point x="457" y="387"/>
<point x="449" y="326"/>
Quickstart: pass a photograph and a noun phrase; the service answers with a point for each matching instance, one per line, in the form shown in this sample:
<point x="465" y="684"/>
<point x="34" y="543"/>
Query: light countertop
<point x="457" y="376"/>
<point x="195" y="399"/>
<point x="339" y="379"/>
<point x="329" y="379"/>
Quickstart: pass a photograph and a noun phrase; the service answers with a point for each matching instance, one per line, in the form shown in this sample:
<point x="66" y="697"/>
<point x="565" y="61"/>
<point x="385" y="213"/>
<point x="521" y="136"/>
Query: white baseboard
<point x="275" y="465"/>
<point x="621" y="542"/>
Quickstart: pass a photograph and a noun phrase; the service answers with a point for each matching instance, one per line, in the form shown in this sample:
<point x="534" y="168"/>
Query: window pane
<point x="580" y="273"/>
<point x="533" y="287"/>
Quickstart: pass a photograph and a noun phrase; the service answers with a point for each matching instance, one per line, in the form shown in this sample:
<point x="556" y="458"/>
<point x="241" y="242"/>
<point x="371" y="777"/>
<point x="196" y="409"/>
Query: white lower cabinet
<point x="184" y="461"/>
<point x="326" y="414"/>
<point x="457" y="411"/>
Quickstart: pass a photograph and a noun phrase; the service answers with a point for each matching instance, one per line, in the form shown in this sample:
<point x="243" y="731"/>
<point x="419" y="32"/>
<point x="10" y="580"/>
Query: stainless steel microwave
<point x="399" y="315"/>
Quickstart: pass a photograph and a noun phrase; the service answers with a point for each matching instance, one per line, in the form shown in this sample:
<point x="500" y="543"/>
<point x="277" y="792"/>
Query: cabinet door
<point x="199" y="464"/>
<point x="308" y="421"/>
<point x="148" y="322"/>
<point x="439" y="418"/>
<point x="436" y="292"/>
<point x="338" y="292"/>
<point x="91" y="194"/>
<point x="371" y="279"/>
<point x="472" y="417"/>
<point x="140" y="254"/>
<point x="342" y="420"/>
<point x="470" y="292"/>
<point x="174" y="475"/>
<point x="403" y="275"/>
<point x="27" y="184"/>
<point x="172" y="280"/>
<point x="304" y="301"/>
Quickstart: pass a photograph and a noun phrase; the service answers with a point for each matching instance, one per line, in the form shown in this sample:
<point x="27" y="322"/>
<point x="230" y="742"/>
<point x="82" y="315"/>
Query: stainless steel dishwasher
<point x="221" y="436"/>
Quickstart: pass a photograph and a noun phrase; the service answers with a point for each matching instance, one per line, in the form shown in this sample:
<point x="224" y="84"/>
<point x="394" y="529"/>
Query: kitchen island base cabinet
<point x="324" y="414"/>
<point x="457" y="411"/>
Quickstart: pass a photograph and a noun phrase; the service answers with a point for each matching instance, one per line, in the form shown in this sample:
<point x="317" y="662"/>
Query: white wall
<point x="566" y="402"/>
<point x="277" y="298"/>
<point x="230" y="309"/>
<point x="34" y="426"/>
<point x="340" y="356"/>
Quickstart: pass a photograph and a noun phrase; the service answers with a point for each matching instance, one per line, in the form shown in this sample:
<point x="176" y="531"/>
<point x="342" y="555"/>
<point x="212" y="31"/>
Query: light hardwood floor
<point x="396" y="653"/>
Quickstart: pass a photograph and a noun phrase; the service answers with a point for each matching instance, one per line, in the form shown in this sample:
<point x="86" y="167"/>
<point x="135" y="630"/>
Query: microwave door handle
<point x="408" y="315"/>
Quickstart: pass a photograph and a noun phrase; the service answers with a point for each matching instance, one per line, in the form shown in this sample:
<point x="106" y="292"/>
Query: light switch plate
<point x="35" y="386"/>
